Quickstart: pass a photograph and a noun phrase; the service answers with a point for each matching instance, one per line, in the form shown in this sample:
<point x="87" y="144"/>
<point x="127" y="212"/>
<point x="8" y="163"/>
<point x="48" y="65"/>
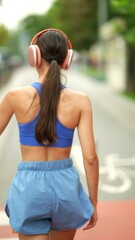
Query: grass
<point x="130" y="95"/>
<point x="95" y="73"/>
<point x="99" y="75"/>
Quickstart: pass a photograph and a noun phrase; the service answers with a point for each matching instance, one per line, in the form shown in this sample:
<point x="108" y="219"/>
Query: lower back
<point x="34" y="153"/>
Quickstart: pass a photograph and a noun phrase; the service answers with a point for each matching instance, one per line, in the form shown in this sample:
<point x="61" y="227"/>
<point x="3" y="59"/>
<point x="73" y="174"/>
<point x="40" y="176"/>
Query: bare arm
<point x="6" y="110"/>
<point x="90" y="158"/>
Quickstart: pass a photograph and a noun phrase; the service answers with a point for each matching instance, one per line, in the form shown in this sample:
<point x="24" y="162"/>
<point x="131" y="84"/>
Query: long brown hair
<point x="53" y="47"/>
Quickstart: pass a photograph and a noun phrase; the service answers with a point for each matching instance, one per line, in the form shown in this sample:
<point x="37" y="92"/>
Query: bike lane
<point x="116" y="221"/>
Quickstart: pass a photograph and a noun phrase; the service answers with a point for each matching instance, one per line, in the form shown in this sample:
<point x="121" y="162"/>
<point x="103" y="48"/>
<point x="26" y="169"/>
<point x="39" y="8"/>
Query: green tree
<point x="77" y="18"/>
<point x="4" y="35"/>
<point x="126" y="9"/>
<point x="34" y="23"/>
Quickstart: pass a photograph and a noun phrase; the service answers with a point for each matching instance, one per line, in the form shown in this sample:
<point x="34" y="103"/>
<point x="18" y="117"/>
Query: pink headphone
<point x="34" y="55"/>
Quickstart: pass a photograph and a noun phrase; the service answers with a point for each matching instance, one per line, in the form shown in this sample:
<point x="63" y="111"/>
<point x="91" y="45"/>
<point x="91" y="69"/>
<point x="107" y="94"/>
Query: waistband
<point x="46" y="165"/>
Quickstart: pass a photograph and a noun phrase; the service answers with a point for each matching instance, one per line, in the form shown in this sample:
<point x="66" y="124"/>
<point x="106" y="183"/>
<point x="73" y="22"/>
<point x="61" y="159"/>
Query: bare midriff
<point x="34" y="153"/>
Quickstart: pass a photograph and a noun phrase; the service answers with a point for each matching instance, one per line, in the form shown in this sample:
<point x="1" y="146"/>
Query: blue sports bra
<point x="27" y="130"/>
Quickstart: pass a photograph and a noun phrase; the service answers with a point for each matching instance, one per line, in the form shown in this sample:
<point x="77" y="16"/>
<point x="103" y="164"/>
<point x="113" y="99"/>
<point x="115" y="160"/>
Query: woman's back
<point x="68" y="115"/>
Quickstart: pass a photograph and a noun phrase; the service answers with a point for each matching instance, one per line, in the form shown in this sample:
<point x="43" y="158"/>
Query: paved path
<point x="115" y="103"/>
<point x="116" y="218"/>
<point x="116" y="222"/>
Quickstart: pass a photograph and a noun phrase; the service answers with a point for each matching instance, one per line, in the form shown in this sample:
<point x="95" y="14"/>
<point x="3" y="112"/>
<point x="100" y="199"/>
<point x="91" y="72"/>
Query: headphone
<point x="34" y="54"/>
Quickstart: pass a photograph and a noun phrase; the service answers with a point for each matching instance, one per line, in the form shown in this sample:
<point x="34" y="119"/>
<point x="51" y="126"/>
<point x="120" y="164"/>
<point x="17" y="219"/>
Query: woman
<point x="46" y="199"/>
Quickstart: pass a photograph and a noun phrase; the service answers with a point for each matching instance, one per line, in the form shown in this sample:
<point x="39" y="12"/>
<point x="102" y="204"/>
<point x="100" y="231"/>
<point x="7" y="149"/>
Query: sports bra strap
<point x="38" y="87"/>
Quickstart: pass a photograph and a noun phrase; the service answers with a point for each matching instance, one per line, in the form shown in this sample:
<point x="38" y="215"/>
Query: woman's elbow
<point x="91" y="160"/>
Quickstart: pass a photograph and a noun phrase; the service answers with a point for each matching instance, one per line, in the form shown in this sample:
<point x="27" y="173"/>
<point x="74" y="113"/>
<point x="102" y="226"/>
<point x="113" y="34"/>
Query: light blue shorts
<point x="45" y="196"/>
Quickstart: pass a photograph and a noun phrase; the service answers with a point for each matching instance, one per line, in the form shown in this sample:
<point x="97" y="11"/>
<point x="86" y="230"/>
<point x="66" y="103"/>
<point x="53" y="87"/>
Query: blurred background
<point x="102" y="33"/>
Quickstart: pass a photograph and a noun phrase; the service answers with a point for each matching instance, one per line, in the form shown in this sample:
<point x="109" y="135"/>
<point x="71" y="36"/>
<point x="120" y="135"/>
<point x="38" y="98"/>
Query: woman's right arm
<point x="6" y="109"/>
<point x="90" y="158"/>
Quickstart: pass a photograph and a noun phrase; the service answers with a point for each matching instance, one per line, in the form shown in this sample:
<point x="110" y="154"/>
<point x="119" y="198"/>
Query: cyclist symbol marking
<point x="116" y="176"/>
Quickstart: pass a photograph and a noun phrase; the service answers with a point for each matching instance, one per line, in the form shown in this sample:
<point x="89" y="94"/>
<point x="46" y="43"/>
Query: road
<point x="112" y="136"/>
<point x="115" y="142"/>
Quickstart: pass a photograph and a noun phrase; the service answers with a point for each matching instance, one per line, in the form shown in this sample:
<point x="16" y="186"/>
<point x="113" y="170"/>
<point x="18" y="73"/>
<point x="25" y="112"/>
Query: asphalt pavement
<point x="116" y="218"/>
<point x="113" y="101"/>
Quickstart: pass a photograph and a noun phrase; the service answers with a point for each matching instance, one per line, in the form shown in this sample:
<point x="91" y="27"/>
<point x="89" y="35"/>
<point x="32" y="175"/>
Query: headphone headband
<point x="51" y="29"/>
<point x="34" y="54"/>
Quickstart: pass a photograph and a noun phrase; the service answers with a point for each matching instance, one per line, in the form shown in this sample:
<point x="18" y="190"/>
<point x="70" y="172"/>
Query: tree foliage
<point x="4" y="35"/>
<point x="32" y="24"/>
<point x="77" y="18"/>
<point x="126" y="9"/>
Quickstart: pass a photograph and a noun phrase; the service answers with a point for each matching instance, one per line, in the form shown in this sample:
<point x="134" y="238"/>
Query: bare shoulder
<point x="20" y="90"/>
<point x="15" y="96"/>
<point x="10" y="95"/>
<point x="78" y="97"/>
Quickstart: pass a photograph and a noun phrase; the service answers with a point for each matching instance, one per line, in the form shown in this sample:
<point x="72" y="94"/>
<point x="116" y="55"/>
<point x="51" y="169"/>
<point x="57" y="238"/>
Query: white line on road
<point x="8" y="238"/>
<point x="4" y="221"/>
<point x="76" y="154"/>
<point x="115" y="178"/>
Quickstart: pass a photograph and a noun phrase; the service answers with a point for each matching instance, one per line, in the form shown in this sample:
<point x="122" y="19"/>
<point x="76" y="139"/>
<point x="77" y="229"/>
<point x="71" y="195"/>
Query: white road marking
<point x="76" y="154"/>
<point x="8" y="238"/>
<point x="115" y="176"/>
<point x="4" y="221"/>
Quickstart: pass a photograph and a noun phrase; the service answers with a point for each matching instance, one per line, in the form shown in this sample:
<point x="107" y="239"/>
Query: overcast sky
<point x="11" y="11"/>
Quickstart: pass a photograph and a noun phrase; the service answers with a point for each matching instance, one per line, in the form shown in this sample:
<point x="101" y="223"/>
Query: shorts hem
<point x="74" y="227"/>
<point x="27" y="233"/>
<point x="43" y="232"/>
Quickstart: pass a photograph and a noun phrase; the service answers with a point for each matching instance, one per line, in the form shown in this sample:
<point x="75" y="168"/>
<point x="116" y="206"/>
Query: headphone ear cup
<point x="68" y="60"/>
<point x="34" y="56"/>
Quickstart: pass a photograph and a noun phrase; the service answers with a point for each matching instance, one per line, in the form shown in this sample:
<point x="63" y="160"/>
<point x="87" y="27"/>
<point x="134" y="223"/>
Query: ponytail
<point x="45" y="127"/>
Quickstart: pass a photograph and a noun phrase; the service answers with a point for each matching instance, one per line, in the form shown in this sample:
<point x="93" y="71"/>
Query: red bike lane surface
<point x="116" y="222"/>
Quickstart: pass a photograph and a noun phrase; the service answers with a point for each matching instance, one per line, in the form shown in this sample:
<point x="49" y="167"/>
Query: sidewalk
<point x="117" y="105"/>
<point x="116" y="222"/>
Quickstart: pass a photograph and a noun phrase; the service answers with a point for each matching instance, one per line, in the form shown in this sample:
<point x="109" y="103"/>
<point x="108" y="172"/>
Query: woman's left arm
<point x="6" y="109"/>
